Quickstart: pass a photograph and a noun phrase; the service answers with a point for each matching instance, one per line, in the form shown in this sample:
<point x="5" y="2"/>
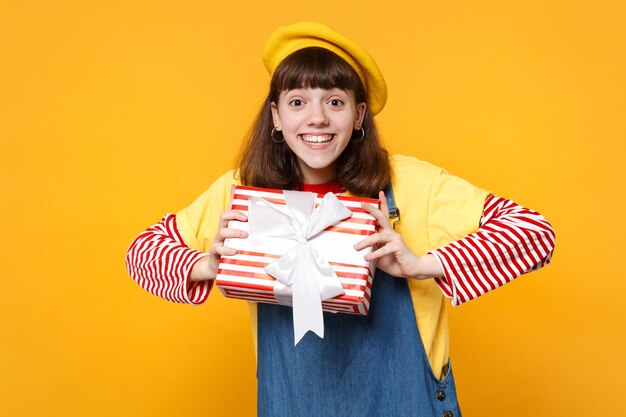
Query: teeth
<point x="317" y="139"/>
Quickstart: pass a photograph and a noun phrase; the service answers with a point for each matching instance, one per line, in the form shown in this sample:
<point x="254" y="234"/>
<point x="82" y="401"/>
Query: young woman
<point x="316" y="132"/>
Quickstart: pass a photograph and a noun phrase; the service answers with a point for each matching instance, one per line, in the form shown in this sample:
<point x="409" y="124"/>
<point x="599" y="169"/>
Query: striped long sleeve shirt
<point x="511" y="240"/>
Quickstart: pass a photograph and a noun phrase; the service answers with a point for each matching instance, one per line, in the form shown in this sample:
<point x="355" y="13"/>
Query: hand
<point x="393" y="255"/>
<point x="206" y="268"/>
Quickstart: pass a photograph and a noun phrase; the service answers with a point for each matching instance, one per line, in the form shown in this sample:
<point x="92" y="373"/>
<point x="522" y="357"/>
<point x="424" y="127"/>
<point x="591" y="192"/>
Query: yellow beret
<point x="288" y="39"/>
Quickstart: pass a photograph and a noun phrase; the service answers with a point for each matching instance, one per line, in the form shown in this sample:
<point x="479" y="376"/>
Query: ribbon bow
<point x="303" y="275"/>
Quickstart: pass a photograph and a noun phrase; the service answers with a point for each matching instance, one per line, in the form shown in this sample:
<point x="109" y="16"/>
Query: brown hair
<point x="362" y="168"/>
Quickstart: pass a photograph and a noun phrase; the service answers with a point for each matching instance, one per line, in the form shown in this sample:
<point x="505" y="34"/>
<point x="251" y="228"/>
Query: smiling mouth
<point x="317" y="139"/>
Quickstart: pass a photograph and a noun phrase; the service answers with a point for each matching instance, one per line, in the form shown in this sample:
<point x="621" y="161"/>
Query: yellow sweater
<point x="436" y="208"/>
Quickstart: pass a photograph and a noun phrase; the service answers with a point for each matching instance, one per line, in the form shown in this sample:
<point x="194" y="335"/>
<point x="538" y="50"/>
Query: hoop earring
<point x="361" y="138"/>
<point x="273" y="139"/>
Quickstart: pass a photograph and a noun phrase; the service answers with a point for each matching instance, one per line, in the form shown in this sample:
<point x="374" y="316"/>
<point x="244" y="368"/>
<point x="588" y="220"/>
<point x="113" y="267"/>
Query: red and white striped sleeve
<point x="510" y="241"/>
<point x="160" y="262"/>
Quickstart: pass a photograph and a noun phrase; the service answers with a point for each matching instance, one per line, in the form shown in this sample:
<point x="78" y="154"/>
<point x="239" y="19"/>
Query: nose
<point x="317" y="115"/>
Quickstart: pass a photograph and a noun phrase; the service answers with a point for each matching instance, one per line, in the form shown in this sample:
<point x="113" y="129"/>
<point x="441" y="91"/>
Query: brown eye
<point x="336" y="102"/>
<point x="295" y="102"/>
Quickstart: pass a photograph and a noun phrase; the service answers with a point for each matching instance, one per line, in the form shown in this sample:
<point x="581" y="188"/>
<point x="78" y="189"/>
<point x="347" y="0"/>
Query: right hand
<point x="206" y="268"/>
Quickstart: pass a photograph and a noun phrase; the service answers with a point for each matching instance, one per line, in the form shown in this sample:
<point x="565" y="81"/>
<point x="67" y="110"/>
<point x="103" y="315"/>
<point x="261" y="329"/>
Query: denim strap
<point x="394" y="212"/>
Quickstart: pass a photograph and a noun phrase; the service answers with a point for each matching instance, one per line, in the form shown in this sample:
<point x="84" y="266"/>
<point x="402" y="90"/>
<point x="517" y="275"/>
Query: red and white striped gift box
<point x="243" y="275"/>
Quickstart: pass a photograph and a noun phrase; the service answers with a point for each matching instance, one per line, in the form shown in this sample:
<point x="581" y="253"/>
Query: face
<point x="317" y="125"/>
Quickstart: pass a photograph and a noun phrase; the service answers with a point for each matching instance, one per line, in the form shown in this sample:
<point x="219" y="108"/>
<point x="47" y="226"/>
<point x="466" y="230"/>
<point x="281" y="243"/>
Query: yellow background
<point x="114" y="113"/>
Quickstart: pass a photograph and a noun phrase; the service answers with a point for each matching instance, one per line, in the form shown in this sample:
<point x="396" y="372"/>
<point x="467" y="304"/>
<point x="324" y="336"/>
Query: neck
<point x="318" y="176"/>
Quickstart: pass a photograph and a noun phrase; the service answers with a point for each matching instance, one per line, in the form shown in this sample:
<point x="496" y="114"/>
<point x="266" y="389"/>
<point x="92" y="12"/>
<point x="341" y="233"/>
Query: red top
<point x="329" y="187"/>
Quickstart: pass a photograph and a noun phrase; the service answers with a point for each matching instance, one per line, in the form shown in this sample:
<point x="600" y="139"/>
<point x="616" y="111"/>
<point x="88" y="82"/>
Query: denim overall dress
<point x="372" y="365"/>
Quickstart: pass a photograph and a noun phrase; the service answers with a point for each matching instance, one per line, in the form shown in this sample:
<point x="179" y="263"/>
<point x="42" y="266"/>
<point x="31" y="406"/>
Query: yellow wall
<point x="114" y="113"/>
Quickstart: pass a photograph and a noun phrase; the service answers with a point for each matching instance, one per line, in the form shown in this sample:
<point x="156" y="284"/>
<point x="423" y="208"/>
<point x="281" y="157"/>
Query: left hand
<point x="393" y="255"/>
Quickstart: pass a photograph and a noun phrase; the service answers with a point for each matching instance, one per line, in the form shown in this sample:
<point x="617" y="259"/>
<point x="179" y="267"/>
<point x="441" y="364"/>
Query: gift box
<point x="299" y="252"/>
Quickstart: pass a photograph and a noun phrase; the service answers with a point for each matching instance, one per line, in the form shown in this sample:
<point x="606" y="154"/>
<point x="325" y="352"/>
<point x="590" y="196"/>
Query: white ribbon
<point x="304" y="277"/>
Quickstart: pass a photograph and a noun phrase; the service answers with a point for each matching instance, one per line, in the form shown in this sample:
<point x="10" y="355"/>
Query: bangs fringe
<point x="316" y="68"/>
